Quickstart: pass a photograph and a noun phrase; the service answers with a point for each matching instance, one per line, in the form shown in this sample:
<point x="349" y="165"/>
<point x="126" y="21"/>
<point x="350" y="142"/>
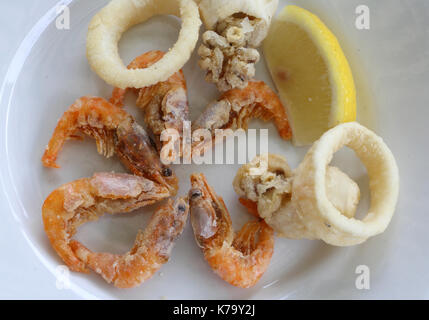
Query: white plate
<point x="390" y="63"/>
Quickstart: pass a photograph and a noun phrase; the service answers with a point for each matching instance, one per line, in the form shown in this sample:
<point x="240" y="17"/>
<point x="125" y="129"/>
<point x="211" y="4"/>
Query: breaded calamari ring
<point x="213" y="11"/>
<point x="270" y="195"/>
<point x="108" y="25"/>
<point x="309" y="186"/>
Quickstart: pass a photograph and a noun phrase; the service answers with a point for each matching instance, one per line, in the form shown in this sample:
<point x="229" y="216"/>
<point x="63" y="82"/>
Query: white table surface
<point x="22" y="275"/>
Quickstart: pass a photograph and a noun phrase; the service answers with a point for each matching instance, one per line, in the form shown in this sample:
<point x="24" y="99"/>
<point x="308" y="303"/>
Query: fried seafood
<point x="115" y="131"/>
<point x="309" y="192"/>
<point x="108" y="25"/>
<point x="240" y="259"/>
<point x="165" y="104"/>
<point x="214" y="11"/>
<point x="235" y="29"/>
<point x="151" y="249"/>
<point x="78" y="202"/>
<point x="268" y="194"/>
<point x="228" y="66"/>
<point x="236" y="107"/>
<point x="86" y="199"/>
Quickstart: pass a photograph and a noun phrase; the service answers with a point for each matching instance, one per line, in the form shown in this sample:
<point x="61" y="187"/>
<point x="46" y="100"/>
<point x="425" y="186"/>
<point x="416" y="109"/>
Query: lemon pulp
<point x="311" y="73"/>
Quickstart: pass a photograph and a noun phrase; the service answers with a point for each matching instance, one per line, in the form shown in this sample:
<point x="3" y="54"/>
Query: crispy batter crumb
<point x="228" y="53"/>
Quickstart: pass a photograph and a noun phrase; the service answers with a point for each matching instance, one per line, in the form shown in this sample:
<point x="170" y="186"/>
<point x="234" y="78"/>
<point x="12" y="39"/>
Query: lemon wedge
<point x="311" y="73"/>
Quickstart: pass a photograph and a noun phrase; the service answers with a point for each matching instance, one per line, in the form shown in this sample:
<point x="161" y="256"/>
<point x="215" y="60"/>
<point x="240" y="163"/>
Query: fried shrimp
<point x="239" y="259"/>
<point x="151" y="249"/>
<point x="236" y="107"/>
<point x="86" y="199"/>
<point x="165" y="104"/>
<point x="115" y="131"/>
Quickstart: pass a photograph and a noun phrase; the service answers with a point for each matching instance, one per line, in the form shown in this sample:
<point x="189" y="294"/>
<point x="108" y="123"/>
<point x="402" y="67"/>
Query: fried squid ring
<point x="309" y="186"/>
<point x="268" y="195"/>
<point x="107" y="27"/>
<point x="213" y="11"/>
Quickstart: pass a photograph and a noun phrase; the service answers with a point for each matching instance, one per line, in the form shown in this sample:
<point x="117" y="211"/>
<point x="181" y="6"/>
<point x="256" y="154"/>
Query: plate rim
<point x="6" y="92"/>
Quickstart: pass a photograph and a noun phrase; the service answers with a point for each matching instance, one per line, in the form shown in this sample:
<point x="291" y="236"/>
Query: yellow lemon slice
<point x="311" y="73"/>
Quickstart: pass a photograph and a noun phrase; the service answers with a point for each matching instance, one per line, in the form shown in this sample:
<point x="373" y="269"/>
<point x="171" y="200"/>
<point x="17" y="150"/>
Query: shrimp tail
<point x="251" y="206"/>
<point x="92" y="116"/>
